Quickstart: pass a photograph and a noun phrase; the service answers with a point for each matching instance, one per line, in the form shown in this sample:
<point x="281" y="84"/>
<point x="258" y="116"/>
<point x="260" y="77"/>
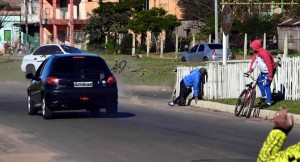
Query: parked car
<point x="206" y="52"/>
<point x="72" y="82"/>
<point x="32" y="61"/>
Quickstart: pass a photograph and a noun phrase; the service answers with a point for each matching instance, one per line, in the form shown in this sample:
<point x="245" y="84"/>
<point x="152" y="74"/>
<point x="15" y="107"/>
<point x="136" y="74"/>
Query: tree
<point x="154" y="20"/>
<point x="111" y="18"/>
<point x="197" y="10"/>
<point x="4" y="13"/>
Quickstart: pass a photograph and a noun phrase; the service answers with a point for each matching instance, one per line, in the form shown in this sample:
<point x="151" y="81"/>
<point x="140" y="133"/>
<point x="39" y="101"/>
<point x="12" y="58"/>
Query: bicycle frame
<point x="246" y="98"/>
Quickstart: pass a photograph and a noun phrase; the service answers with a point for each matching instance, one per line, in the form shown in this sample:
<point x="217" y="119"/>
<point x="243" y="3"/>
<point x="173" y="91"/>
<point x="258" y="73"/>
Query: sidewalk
<point x="262" y="113"/>
<point x="13" y="57"/>
<point x="164" y="93"/>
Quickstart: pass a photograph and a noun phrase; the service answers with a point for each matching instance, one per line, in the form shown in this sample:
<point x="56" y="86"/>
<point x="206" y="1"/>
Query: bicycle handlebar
<point x="248" y="75"/>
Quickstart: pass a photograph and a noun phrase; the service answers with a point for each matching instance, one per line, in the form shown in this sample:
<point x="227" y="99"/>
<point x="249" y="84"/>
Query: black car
<point x="72" y="82"/>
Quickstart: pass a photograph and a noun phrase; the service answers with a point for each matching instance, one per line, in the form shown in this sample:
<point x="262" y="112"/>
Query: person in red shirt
<point x="265" y="62"/>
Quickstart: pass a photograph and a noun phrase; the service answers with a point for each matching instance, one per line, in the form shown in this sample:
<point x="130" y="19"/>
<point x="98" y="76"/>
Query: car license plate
<point x="83" y="84"/>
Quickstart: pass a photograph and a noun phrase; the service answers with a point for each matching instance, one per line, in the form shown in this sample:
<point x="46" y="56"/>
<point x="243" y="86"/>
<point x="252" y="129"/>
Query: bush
<point x="94" y="47"/>
<point x="126" y="44"/>
<point x="111" y="46"/>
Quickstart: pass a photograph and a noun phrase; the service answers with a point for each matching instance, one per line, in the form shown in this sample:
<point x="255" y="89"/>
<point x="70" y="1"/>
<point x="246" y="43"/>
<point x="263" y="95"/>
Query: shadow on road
<point x="77" y="115"/>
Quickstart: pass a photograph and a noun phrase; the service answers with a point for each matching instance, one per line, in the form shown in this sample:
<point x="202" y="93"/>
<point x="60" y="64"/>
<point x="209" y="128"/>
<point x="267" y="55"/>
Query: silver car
<point x="206" y="52"/>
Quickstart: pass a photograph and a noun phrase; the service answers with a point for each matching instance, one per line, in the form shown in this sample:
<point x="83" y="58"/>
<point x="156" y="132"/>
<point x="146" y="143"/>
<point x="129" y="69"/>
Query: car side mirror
<point x="30" y="76"/>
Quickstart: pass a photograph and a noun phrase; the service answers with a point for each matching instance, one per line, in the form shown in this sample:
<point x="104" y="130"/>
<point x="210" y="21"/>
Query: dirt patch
<point x="242" y="57"/>
<point x="14" y="149"/>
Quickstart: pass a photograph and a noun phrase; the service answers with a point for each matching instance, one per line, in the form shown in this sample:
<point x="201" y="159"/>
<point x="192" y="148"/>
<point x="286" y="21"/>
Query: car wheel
<point x="205" y="59"/>
<point x="47" y="113"/>
<point x="112" y="110"/>
<point x="30" y="69"/>
<point x="31" y="110"/>
<point x="183" y="59"/>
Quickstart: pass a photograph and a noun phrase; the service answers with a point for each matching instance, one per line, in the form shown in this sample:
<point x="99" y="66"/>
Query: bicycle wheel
<point x="240" y="104"/>
<point x="250" y="106"/>
<point x="121" y="65"/>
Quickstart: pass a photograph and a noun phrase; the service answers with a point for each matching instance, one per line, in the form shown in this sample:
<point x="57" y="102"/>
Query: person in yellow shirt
<point x="271" y="150"/>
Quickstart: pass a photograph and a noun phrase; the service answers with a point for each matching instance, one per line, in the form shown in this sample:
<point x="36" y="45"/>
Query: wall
<point x="13" y="29"/>
<point x="293" y="37"/>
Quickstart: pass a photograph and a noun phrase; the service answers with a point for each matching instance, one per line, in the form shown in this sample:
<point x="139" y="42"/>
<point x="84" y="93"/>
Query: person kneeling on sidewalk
<point x="192" y="80"/>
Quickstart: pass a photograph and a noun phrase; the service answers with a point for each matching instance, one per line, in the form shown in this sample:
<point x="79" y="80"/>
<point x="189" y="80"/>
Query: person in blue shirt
<point x="193" y="80"/>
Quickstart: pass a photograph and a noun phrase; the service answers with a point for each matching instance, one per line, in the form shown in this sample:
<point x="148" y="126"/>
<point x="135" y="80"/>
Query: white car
<point x="31" y="62"/>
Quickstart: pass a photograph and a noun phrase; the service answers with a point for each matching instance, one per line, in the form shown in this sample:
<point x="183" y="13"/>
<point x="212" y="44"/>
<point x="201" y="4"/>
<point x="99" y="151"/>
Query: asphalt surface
<point x="164" y="94"/>
<point x="146" y="129"/>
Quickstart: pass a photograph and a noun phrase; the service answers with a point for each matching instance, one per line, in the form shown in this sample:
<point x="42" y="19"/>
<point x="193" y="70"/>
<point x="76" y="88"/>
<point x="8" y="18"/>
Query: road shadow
<point x="86" y="114"/>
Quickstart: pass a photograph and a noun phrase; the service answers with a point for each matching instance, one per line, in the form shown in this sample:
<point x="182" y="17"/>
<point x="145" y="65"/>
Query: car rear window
<point x="80" y="64"/>
<point x="70" y="49"/>
<point x="215" y="46"/>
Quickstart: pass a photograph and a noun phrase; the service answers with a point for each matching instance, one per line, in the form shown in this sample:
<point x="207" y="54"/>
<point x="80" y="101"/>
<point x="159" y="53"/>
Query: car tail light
<point x="111" y="80"/>
<point x="84" y="98"/>
<point x="52" y="80"/>
<point x="213" y="52"/>
<point x="78" y="57"/>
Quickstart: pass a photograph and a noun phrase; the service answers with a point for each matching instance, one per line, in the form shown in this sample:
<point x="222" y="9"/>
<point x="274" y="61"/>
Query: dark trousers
<point x="183" y="94"/>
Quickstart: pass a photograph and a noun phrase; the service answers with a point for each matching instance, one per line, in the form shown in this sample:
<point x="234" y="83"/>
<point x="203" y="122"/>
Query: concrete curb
<point x="263" y="114"/>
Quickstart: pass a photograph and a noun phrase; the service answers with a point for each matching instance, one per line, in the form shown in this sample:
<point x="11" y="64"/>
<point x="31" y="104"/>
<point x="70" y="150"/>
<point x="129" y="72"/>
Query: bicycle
<point x="119" y="66"/>
<point x="246" y="98"/>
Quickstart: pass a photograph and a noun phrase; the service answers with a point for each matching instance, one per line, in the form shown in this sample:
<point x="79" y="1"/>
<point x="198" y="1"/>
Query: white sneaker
<point x="171" y="103"/>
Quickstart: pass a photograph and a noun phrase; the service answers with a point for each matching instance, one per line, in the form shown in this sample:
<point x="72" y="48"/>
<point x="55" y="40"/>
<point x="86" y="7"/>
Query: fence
<point x="227" y="81"/>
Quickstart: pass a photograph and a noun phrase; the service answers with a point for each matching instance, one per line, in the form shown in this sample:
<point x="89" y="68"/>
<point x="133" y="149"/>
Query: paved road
<point x="146" y="129"/>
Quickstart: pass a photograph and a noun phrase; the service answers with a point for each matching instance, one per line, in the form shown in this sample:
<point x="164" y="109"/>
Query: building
<point x="9" y="15"/>
<point x="291" y="28"/>
<point x="61" y="21"/>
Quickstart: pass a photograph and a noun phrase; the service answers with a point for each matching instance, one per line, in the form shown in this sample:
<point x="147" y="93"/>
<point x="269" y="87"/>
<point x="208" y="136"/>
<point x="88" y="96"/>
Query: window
<point x="38" y="51"/>
<point x="70" y="49"/>
<point x="146" y="5"/>
<point x="194" y="49"/>
<point x="215" y="46"/>
<point x="54" y="50"/>
<point x="201" y="48"/>
<point x="80" y="65"/>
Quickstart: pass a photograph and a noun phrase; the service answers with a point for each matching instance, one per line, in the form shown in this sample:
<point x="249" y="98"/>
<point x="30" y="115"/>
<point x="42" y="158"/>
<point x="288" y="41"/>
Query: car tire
<point x="31" y="110"/>
<point x="112" y="110"/>
<point x="47" y="113"/>
<point x="205" y="59"/>
<point x="30" y="69"/>
<point x="183" y="59"/>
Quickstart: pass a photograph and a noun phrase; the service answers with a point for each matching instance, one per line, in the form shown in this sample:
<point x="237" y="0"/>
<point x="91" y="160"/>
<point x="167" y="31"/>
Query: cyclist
<point x="192" y="80"/>
<point x="271" y="150"/>
<point x="265" y="62"/>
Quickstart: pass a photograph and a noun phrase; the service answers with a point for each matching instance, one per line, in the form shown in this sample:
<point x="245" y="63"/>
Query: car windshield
<point x="70" y="49"/>
<point x="80" y="64"/>
<point x="215" y="46"/>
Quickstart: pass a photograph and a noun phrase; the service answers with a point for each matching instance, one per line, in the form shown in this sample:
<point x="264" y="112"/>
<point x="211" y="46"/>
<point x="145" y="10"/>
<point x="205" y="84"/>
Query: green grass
<point x="147" y="70"/>
<point x="295" y="54"/>
<point x="10" y="70"/>
<point x="293" y="106"/>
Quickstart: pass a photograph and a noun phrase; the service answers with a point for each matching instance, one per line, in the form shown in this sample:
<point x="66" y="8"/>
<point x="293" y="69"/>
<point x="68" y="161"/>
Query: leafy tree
<point x="199" y="10"/>
<point x="154" y="20"/>
<point x="4" y="14"/>
<point x="111" y="18"/>
<point x="292" y="11"/>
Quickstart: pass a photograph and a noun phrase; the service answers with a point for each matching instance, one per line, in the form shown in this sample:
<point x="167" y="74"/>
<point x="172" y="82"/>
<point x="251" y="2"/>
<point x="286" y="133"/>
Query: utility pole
<point x="26" y="25"/>
<point x="216" y="22"/>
